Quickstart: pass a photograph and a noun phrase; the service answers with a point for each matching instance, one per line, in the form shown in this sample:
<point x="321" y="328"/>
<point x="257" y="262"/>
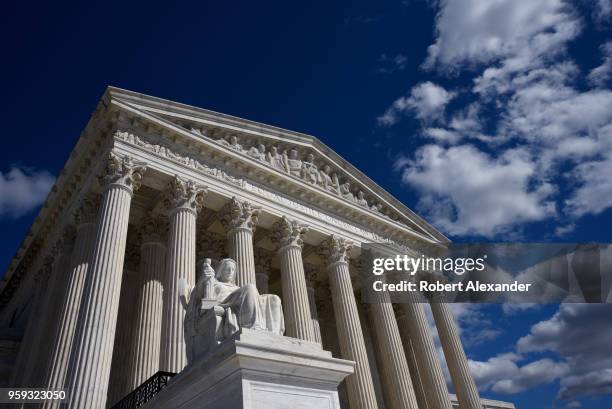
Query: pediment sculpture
<point x="217" y="308"/>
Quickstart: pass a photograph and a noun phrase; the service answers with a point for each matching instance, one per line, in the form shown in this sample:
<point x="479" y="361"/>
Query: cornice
<point x="164" y="111"/>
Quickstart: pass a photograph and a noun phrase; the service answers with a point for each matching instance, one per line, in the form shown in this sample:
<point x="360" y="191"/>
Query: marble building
<point x="90" y="301"/>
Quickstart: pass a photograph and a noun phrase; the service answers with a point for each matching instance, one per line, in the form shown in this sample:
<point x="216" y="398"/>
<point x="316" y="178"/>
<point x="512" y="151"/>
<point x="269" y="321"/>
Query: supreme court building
<point x="90" y="302"/>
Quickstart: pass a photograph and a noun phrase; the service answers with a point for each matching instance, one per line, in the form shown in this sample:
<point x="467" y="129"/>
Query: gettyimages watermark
<point x="488" y="272"/>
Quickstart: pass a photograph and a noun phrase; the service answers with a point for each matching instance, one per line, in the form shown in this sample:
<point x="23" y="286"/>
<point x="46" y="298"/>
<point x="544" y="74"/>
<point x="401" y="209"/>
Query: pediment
<point x="299" y="157"/>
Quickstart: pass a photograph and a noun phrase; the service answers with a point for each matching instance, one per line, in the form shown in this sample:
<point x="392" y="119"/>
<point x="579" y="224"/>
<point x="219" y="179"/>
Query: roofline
<point x="120" y="93"/>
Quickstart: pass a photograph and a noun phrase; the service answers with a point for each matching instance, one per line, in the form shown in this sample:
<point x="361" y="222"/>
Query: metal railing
<point x="145" y="392"/>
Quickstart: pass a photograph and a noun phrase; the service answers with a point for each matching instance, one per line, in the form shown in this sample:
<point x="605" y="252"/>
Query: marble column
<point x="415" y="372"/>
<point x="465" y="387"/>
<point x="359" y="385"/>
<point x="149" y="301"/>
<point x="63" y="340"/>
<point x="425" y="351"/>
<point x="119" y="385"/>
<point x="95" y="334"/>
<point x="184" y="200"/>
<point x="24" y="356"/>
<point x="311" y="282"/>
<point x="398" y="385"/>
<point x="240" y="219"/>
<point x="52" y="302"/>
<point x="263" y="264"/>
<point x="298" y="322"/>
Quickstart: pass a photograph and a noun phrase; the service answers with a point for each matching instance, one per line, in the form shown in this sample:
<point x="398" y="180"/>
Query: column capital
<point x="154" y="229"/>
<point x="184" y="194"/>
<point x="123" y="171"/>
<point x="288" y="233"/>
<point x="335" y="250"/>
<point x="239" y="215"/>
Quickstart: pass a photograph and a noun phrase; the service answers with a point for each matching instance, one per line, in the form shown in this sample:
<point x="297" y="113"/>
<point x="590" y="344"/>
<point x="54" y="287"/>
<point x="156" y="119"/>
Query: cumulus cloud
<point x="581" y="335"/>
<point x="524" y="121"/>
<point x="473" y="31"/>
<point x="426" y="100"/>
<point x="449" y="180"/>
<point x="602" y="74"/>
<point x="22" y="190"/>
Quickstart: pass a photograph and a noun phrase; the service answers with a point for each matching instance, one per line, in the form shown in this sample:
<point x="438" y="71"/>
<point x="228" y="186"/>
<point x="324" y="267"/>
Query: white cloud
<point x="465" y="191"/>
<point x="602" y="74"/>
<point x="22" y="191"/>
<point x="532" y="374"/>
<point x="581" y="335"/>
<point x="474" y="31"/>
<point x="525" y="120"/>
<point x="426" y="100"/>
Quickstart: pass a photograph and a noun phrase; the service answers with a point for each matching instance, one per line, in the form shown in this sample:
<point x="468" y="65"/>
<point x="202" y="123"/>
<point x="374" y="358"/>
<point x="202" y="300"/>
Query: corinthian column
<point x="184" y="201"/>
<point x="149" y="301"/>
<point x="95" y="333"/>
<point x="360" y="387"/>
<point x="398" y="385"/>
<point x="63" y="340"/>
<point x="298" y="322"/>
<point x="311" y="279"/>
<point x="53" y="301"/>
<point x="415" y="376"/>
<point x="427" y="359"/>
<point x="30" y="336"/>
<point x="263" y="264"/>
<point x="465" y="387"/>
<point x="240" y="219"/>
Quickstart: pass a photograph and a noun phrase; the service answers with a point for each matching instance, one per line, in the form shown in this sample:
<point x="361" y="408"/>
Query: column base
<point x="256" y="370"/>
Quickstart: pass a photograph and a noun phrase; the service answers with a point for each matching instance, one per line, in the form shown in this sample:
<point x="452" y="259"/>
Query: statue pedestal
<point x="258" y="370"/>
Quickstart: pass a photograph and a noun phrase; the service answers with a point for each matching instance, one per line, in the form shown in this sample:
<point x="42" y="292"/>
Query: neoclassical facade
<point x="90" y="301"/>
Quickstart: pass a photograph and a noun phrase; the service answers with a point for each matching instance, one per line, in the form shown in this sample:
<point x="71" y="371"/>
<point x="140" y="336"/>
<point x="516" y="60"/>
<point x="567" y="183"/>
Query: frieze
<point x="166" y="152"/>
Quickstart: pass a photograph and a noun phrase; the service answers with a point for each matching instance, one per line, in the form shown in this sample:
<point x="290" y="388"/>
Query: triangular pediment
<point x="292" y="155"/>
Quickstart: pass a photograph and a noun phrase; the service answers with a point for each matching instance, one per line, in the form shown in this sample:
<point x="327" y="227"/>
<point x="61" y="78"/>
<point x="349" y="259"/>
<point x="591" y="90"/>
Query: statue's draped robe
<point x="246" y="308"/>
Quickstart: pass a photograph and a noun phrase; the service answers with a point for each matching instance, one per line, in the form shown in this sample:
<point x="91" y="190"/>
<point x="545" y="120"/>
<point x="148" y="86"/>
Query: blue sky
<point x="492" y="119"/>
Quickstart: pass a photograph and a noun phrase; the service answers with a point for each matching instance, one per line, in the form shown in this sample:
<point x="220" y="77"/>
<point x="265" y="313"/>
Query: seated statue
<point x="217" y="308"/>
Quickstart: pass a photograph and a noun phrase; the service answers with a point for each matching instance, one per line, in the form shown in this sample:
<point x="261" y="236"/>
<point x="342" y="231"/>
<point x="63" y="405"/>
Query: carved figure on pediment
<point x="310" y="172"/>
<point x="329" y="180"/>
<point x="294" y="163"/>
<point x="345" y="192"/>
<point x="276" y="159"/>
<point x="376" y="207"/>
<point x="233" y="143"/>
<point x="361" y="200"/>
<point x="258" y="152"/>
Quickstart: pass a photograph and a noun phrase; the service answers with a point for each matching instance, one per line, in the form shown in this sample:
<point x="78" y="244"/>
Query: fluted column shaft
<point x="184" y="202"/>
<point x="311" y="275"/>
<point x="118" y="385"/>
<point x="240" y="242"/>
<point x="91" y="358"/>
<point x="415" y="373"/>
<point x="63" y="341"/>
<point x="398" y="386"/>
<point x="298" y="322"/>
<point x="54" y="294"/>
<point x="360" y="385"/>
<point x="240" y="219"/>
<point x="18" y="377"/>
<point x="352" y="345"/>
<point x="148" y="327"/>
<point x="428" y="361"/>
<point x="465" y="387"/>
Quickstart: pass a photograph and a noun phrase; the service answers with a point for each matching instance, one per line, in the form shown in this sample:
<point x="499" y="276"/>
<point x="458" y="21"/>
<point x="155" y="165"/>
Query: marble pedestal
<point x="258" y="370"/>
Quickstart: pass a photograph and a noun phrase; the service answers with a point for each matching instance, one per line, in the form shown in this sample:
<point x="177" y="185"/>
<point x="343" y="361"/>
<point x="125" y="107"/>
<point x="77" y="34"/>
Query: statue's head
<point x="226" y="272"/>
